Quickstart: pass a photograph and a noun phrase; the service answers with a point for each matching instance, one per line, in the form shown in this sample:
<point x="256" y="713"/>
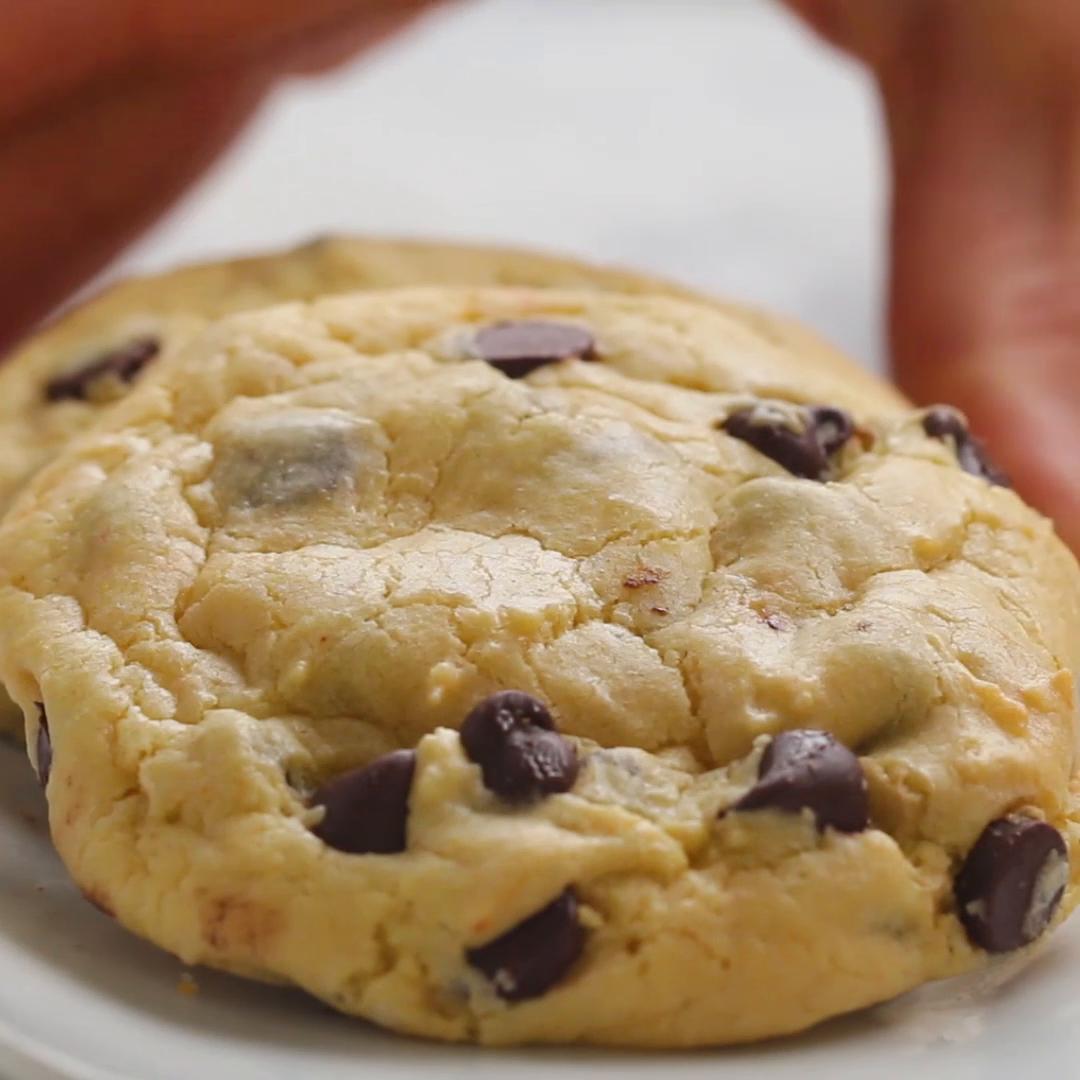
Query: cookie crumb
<point x="644" y="575"/>
<point x="187" y="984"/>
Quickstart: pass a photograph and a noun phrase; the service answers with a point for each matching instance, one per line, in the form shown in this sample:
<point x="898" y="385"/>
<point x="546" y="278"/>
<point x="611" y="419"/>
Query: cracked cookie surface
<point x="59" y="382"/>
<point x="630" y="689"/>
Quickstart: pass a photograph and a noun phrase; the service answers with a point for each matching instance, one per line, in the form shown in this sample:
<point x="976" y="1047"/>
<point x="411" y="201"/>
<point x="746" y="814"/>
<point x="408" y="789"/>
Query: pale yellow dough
<point x="319" y="532"/>
<point x="172" y="307"/>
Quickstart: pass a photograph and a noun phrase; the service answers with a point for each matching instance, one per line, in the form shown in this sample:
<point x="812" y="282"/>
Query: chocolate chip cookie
<point x="57" y="384"/>
<point x="513" y="665"/>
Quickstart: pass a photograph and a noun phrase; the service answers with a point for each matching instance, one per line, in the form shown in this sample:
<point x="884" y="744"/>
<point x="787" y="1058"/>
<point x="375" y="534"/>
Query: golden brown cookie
<point x="59" y="381"/>
<point x="521" y="665"/>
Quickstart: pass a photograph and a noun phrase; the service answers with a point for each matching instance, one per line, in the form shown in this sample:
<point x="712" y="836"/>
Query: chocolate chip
<point x="512" y="737"/>
<point x="367" y="809"/>
<point x="1011" y="883"/>
<point x="832" y="427"/>
<point x="801" y="445"/>
<point x="806" y="769"/>
<point x="124" y="362"/>
<point x="942" y="422"/>
<point x="43" y="746"/>
<point x="529" y="959"/>
<point x="288" y="459"/>
<point x="949" y="426"/>
<point x="516" y="348"/>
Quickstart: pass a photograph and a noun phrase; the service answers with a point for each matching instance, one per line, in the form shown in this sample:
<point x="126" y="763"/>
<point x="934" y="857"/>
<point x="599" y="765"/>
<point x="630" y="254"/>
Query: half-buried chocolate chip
<point x="802" y="444"/>
<point x="832" y="427"/>
<point x="367" y="809"/>
<point x="124" y="363"/>
<point x="512" y="737"/>
<point x="528" y="960"/>
<point x="516" y="348"/>
<point x="949" y="426"/>
<point x="43" y="747"/>
<point x="810" y="770"/>
<point x="1011" y="883"/>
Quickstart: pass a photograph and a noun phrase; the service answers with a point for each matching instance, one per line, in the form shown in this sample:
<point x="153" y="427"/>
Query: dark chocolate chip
<point x="124" y="362"/>
<point x="529" y="959"/>
<point x="806" y="769"/>
<point x="942" y="422"/>
<point x="516" y="348"/>
<point x="949" y="426"/>
<point x="1011" y="883"/>
<point x="512" y="737"/>
<point x="43" y="746"/>
<point x="975" y="459"/>
<point x="367" y="809"/>
<point x="803" y="450"/>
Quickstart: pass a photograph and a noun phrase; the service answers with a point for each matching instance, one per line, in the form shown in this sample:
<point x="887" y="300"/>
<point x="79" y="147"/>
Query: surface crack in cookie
<point x="696" y="742"/>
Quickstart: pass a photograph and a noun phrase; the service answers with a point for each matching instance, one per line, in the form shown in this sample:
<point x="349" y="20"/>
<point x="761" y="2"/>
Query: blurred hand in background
<point x="112" y="107"/>
<point x="982" y="105"/>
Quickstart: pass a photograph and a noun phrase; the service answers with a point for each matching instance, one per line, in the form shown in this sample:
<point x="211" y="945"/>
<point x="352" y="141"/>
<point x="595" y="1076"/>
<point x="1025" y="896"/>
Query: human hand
<point x="982" y="104"/>
<point x="112" y="107"/>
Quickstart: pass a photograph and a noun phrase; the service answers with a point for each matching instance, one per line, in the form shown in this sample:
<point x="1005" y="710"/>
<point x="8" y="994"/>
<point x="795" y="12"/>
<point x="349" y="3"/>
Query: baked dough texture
<point x="793" y="720"/>
<point x="57" y="384"/>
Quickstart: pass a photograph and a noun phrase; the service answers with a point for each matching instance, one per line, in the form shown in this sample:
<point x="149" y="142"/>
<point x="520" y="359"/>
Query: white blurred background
<point x="710" y="140"/>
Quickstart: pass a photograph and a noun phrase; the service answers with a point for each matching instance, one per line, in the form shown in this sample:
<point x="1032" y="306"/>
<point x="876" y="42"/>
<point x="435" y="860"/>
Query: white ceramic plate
<point x="79" y="998"/>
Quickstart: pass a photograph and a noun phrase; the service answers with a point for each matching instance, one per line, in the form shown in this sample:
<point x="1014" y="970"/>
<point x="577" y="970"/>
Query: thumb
<point x="984" y="132"/>
<point x="986" y="304"/>
<point x="985" y="286"/>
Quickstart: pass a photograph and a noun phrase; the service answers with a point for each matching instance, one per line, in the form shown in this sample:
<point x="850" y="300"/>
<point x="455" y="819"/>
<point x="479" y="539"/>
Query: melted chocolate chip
<point x="512" y="737"/>
<point x="948" y="425"/>
<point x="1011" y="883"/>
<point x="804" y="451"/>
<point x="516" y="348"/>
<point x="367" y="809"/>
<point x="807" y="769"/>
<point x="529" y="959"/>
<point x="124" y="363"/>
<point x="288" y="459"/>
<point x="43" y="746"/>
